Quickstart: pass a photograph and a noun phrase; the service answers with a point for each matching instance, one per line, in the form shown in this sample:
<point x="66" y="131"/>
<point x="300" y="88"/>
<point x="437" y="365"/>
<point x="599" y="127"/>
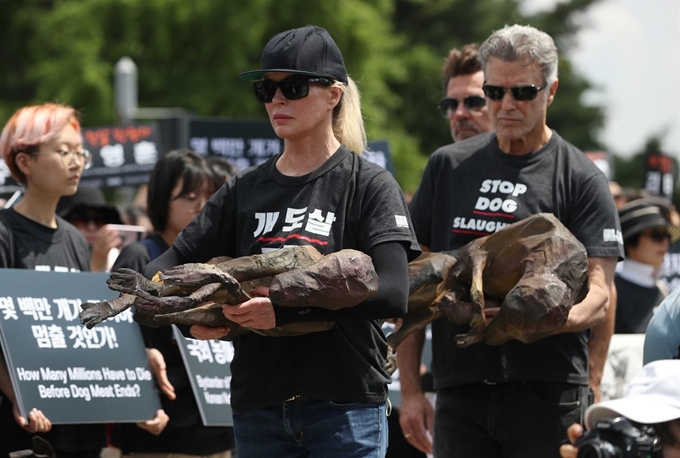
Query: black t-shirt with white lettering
<point x="472" y="189"/>
<point x="346" y="203"/>
<point x="26" y="244"/>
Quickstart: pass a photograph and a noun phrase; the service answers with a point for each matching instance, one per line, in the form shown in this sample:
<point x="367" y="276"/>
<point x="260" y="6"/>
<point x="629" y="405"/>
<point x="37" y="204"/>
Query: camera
<point x="619" y="438"/>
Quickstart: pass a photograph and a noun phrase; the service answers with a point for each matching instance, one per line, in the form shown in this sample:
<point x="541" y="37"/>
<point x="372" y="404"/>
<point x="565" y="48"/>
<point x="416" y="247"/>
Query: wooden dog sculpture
<point x="194" y="293"/>
<point x="535" y="270"/>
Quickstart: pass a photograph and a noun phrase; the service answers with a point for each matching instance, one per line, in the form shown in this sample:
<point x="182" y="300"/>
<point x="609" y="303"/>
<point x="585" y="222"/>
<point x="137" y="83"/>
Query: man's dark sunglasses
<point x="293" y="88"/>
<point x="519" y="93"/>
<point x="471" y="102"/>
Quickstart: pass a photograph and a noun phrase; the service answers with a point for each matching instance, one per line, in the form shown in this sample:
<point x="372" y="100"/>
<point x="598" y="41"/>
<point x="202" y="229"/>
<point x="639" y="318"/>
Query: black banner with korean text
<point x="245" y="143"/>
<point x="248" y="143"/>
<point x="122" y="155"/>
<point x="659" y="175"/>
<point x="71" y="373"/>
<point x="207" y="364"/>
<point x="126" y="155"/>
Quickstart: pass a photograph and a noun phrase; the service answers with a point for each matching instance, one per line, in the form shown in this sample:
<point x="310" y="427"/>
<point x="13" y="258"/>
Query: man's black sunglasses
<point x="471" y="102"/>
<point x="293" y="87"/>
<point x="519" y="93"/>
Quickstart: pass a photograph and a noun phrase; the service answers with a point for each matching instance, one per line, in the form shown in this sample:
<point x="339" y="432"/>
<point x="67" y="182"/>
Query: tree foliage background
<point x="189" y="54"/>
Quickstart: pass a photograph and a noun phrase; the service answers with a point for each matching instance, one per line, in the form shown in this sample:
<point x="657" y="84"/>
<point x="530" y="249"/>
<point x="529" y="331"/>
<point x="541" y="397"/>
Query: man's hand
<point x="574" y="432"/>
<point x="416" y="417"/>
<point x="156" y="425"/>
<point x="160" y="372"/>
<point x="37" y="421"/>
<point x="201" y="332"/>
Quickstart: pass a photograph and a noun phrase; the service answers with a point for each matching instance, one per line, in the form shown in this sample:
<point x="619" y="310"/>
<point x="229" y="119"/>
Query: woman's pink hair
<point x="32" y="126"/>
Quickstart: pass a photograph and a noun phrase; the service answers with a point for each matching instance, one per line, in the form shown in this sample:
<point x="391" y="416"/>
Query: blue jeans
<point x="506" y="420"/>
<point x="310" y="428"/>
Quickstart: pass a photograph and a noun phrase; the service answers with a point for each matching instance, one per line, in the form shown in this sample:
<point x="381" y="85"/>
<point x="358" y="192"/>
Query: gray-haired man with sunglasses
<point x="464" y="105"/>
<point x="511" y="400"/>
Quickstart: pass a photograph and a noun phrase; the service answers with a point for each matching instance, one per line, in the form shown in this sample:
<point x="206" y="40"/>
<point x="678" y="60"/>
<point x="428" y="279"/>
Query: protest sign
<point x="248" y="143"/>
<point x="121" y="155"/>
<point x="659" y="175"/>
<point x="245" y="143"/>
<point x="207" y="364"/>
<point x="71" y="373"/>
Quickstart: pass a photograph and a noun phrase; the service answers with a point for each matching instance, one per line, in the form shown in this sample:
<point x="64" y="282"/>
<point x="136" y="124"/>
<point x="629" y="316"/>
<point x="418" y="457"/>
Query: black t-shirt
<point x="184" y="432"/>
<point x="346" y="203"/>
<point x="26" y="244"/>
<point x="635" y="306"/>
<point x="472" y="189"/>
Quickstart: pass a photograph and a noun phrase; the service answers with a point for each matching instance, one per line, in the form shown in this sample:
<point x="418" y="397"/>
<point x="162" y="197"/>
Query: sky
<point x="630" y="50"/>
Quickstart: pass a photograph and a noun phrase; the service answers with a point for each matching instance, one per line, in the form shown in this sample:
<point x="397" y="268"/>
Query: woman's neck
<point x="303" y="156"/>
<point x="39" y="207"/>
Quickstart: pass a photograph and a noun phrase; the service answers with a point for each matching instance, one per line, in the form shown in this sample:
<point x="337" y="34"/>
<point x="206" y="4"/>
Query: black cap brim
<point x="258" y="75"/>
<point x="108" y="212"/>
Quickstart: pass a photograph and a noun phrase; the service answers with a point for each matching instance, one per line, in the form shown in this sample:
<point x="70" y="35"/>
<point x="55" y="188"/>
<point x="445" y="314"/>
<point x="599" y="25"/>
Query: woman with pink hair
<point x="43" y="148"/>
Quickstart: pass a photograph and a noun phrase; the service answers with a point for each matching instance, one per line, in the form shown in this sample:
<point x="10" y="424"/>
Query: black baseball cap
<point x="88" y="199"/>
<point x="308" y="50"/>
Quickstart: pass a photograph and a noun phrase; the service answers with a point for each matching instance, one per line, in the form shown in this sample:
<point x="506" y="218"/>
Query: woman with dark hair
<point x="647" y="234"/>
<point x="222" y="166"/>
<point x="180" y="184"/>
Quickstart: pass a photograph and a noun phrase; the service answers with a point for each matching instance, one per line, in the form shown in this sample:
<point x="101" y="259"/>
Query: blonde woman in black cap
<point x="646" y="237"/>
<point x="322" y="394"/>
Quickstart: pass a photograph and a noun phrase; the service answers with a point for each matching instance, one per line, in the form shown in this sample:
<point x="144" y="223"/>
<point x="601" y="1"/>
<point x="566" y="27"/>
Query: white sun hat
<point x="652" y="396"/>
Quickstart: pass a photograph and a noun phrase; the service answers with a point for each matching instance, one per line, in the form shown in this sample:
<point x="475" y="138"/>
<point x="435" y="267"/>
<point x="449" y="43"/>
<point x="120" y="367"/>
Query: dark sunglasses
<point x="519" y="93"/>
<point x="471" y="102"/>
<point x="83" y="219"/>
<point x="659" y="236"/>
<point x="293" y="88"/>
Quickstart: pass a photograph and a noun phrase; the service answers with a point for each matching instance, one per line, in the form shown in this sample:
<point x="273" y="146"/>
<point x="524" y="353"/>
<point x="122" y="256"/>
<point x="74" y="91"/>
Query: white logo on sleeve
<point x="612" y="235"/>
<point x="401" y="220"/>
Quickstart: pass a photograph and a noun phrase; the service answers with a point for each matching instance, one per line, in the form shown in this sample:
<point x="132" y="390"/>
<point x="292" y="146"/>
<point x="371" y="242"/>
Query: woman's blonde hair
<point x="348" y="122"/>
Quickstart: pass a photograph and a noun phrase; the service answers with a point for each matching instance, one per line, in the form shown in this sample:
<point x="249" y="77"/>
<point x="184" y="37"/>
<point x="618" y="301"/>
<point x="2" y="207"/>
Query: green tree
<point x="189" y="55"/>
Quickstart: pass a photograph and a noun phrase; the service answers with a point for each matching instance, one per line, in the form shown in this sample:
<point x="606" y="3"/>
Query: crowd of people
<point x="325" y="394"/>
